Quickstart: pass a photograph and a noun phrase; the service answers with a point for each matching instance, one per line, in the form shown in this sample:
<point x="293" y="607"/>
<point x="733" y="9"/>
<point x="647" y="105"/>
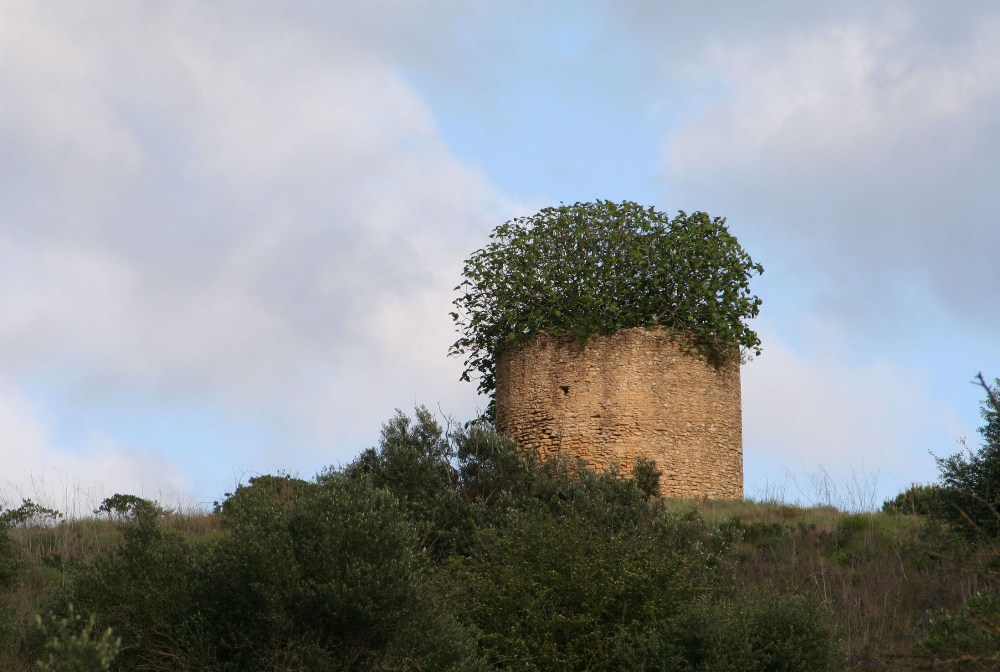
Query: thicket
<point x="454" y="550"/>
<point x="434" y="550"/>
<point x="594" y="268"/>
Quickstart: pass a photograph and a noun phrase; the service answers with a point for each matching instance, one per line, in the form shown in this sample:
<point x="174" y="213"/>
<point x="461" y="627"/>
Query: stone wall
<point x="634" y="393"/>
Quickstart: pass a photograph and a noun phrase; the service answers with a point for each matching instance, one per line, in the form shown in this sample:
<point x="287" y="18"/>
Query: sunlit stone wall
<point x="634" y="393"/>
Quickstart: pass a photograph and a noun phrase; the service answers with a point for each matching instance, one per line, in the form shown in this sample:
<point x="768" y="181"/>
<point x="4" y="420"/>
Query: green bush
<point x="762" y="634"/>
<point x="971" y="480"/>
<point x="491" y="467"/>
<point x="10" y="571"/>
<point x="10" y="562"/>
<point x="967" y="641"/>
<point x="919" y="500"/>
<point x="281" y="490"/>
<point x="416" y="461"/>
<point x="769" y="632"/>
<point x="553" y="592"/>
<point x="73" y="644"/>
<point x="335" y="580"/>
<point x="565" y="592"/>
<point x="594" y="268"/>
<point x="147" y="590"/>
<point x="129" y="507"/>
<point x="29" y="514"/>
<point x="443" y="552"/>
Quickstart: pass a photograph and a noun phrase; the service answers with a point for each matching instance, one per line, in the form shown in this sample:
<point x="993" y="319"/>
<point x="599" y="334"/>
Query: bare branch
<point x="989" y="391"/>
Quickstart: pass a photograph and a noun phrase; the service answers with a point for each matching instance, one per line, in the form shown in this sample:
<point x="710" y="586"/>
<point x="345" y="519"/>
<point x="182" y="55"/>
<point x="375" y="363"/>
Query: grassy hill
<point x="458" y="552"/>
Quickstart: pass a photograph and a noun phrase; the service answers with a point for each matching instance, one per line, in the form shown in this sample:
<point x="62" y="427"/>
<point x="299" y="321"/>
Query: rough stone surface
<point x="634" y="393"/>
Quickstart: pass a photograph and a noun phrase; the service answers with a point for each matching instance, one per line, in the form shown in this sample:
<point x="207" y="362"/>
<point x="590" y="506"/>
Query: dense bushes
<point x="9" y="568"/>
<point x="968" y="640"/>
<point x="330" y="579"/>
<point x="454" y="550"/>
<point x="437" y="551"/>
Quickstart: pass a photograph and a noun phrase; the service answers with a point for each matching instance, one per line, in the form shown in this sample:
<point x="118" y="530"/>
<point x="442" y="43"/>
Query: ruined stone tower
<point x="633" y="393"/>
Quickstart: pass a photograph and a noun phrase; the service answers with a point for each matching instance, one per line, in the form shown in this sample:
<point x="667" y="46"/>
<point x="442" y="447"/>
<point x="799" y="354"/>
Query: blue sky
<point x="229" y="232"/>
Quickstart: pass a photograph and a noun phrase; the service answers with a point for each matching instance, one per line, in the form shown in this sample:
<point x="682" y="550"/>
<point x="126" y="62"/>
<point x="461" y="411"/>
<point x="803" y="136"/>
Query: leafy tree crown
<point x="594" y="268"/>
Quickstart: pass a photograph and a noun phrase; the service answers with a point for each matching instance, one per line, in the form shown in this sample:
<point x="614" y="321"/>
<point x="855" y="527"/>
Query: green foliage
<point x="491" y="469"/>
<point x="73" y="644"/>
<point x="146" y="589"/>
<point x="29" y="514"/>
<point x="332" y="578"/>
<point x="415" y="462"/>
<point x="971" y="480"/>
<point x="647" y="477"/>
<point x="129" y="507"/>
<point x="10" y="571"/>
<point x="336" y="576"/>
<point x="269" y="489"/>
<point x="440" y="551"/>
<point x="564" y="592"/>
<point x="771" y="632"/>
<point x="967" y="641"/>
<point x="918" y="500"/>
<point x="595" y="268"/>
<point x="10" y="563"/>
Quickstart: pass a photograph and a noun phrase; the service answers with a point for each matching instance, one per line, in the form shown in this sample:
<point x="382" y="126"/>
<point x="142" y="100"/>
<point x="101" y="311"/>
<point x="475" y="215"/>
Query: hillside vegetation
<point x="454" y="551"/>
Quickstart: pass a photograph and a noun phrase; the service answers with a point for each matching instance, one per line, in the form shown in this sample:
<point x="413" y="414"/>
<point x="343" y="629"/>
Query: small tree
<point x="30" y="514"/>
<point x="130" y="507"/>
<point x="971" y="479"/>
<point x="594" y="268"/>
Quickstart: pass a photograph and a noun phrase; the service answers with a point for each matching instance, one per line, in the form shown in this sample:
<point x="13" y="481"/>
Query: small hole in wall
<point x="564" y="388"/>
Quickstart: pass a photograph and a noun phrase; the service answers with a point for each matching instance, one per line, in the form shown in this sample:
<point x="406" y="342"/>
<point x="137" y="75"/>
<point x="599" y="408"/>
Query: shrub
<point x="10" y="563"/>
<point x="73" y="644"/>
<point x="146" y="589"/>
<point x="563" y="592"/>
<point x="129" y="507"/>
<point x="281" y="490"/>
<point x="968" y="641"/>
<point x="334" y="580"/>
<point x="29" y="514"/>
<point x="971" y="480"/>
<point x="10" y="570"/>
<point x="919" y="500"/>
<point x="595" y="268"/>
<point x="768" y="632"/>
<point x="492" y="471"/>
<point x="415" y="461"/>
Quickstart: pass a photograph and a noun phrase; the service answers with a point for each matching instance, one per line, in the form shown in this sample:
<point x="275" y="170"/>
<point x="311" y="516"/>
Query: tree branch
<point x="989" y="391"/>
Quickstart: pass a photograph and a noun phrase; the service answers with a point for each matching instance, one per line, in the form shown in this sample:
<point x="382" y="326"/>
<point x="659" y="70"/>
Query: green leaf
<point x="596" y="268"/>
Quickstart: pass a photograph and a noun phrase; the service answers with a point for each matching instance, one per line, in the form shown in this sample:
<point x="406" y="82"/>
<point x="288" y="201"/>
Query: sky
<point x="230" y="232"/>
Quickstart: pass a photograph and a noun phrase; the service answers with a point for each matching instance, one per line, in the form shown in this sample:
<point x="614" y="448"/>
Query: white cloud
<point x="74" y="479"/>
<point x="277" y="209"/>
<point x="824" y="409"/>
<point x="866" y="143"/>
<point x="834" y="93"/>
<point x="251" y="210"/>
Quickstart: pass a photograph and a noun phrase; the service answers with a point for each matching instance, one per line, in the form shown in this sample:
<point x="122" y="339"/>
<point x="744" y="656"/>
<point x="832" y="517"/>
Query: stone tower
<point x="634" y="393"/>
